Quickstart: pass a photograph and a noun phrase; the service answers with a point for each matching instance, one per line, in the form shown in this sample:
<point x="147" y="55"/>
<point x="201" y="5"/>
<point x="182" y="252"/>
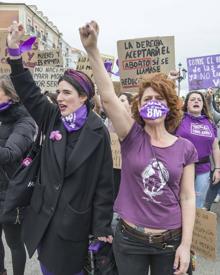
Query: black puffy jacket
<point x="17" y="130"/>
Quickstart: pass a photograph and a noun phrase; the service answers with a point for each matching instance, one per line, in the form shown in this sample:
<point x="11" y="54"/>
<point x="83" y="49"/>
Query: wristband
<point x="216" y="168"/>
<point x="14" y="52"/>
<point x="24" y="47"/>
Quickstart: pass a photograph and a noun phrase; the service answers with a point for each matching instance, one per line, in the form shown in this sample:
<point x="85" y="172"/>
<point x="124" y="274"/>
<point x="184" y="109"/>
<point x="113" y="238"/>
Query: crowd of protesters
<point x="170" y="165"/>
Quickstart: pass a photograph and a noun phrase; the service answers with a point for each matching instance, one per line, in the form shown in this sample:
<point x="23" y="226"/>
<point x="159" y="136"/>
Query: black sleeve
<point x="18" y="142"/>
<point x="30" y="94"/>
<point x="103" y="200"/>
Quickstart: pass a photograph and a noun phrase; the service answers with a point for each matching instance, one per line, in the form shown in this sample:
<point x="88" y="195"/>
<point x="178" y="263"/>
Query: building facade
<point x="37" y="24"/>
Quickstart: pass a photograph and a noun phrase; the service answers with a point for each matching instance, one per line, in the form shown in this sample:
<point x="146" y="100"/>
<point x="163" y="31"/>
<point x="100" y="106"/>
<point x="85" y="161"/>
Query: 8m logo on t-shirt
<point x="200" y="130"/>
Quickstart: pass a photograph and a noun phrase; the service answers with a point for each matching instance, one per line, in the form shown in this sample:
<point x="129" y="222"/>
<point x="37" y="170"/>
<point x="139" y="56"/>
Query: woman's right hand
<point x="15" y="34"/>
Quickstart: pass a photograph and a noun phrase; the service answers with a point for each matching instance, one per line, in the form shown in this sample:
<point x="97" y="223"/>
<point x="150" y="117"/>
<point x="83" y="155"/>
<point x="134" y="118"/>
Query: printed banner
<point x="205" y="234"/>
<point x="203" y="72"/>
<point x="144" y="56"/>
<point x="47" y="77"/>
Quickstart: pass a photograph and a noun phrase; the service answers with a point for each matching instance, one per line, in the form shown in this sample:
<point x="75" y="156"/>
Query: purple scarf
<point x="5" y="105"/>
<point x="76" y="120"/>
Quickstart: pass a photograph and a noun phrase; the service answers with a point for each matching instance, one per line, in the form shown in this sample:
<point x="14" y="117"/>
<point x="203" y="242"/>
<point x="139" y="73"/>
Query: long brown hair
<point x="205" y="109"/>
<point x="166" y="88"/>
<point x="8" y="88"/>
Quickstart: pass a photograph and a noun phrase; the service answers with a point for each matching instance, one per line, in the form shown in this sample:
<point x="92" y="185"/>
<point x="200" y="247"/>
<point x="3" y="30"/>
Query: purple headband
<point x="82" y="80"/>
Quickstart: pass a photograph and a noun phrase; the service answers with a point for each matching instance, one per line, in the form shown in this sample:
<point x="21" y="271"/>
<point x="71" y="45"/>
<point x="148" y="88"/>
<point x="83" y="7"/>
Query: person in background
<point x="126" y="99"/>
<point x="156" y="199"/>
<point x="213" y="193"/>
<point x="74" y="198"/>
<point x="17" y="131"/>
<point x="198" y="127"/>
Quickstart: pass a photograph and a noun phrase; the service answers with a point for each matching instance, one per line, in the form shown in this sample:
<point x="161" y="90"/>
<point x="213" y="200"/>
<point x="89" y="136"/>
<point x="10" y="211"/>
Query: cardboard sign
<point x="5" y="69"/>
<point x="47" y="77"/>
<point x="84" y="65"/>
<point x="205" y="234"/>
<point x="203" y="72"/>
<point x="49" y="58"/>
<point x="144" y="56"/>
<point x="116" y="151"/>
<point x="3" y="51"/>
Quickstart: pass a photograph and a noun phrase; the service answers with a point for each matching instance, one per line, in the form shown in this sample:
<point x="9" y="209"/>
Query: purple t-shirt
<point x="202" y="133"/>
<point x="144" y="197"/>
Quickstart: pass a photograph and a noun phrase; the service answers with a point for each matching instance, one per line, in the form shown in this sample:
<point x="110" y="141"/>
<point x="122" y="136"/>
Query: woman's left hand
<point x="107" y="239"/>
<point x="89" y="35"/>
<point x="182" y="260"/>
<point x="216" y="176"/>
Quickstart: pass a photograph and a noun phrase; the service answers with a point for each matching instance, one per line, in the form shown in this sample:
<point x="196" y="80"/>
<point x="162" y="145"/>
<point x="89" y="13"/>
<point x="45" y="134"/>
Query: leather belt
<point x="203" y="160"/>
<point x="151" y="237"/>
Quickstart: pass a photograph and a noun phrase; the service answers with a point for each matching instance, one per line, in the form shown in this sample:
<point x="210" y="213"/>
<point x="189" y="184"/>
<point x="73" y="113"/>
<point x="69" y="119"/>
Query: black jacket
<point x="17" y="131"/>
<point x="75" y="197"/>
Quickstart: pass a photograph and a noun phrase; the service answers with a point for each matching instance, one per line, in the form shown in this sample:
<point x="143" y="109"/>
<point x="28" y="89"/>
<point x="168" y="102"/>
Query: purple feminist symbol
<point x="153" y="109"/>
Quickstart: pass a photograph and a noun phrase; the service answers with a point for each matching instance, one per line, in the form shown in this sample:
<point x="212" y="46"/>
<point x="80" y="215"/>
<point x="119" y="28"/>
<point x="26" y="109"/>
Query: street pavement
<point x="203" y="267"/>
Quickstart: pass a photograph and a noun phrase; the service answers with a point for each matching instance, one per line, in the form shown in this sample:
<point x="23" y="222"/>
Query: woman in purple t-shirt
<point x="156" y="199"/>
<point x="198" y="127"/>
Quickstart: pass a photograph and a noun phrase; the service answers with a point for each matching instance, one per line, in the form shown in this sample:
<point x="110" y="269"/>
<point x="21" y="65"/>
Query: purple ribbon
<point x="153" y="109"/>
<point x="27" y="44"/>
<point x="5" y="105"/>
<point x="76" y="120"/>
<point x="24" y="47"/>
<point x="95" y="246"/>
<point x="108" y="66"/>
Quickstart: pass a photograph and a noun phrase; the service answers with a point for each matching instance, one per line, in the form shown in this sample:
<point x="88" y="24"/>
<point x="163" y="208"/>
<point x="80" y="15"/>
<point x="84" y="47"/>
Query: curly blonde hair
<point x="166" y="88"/>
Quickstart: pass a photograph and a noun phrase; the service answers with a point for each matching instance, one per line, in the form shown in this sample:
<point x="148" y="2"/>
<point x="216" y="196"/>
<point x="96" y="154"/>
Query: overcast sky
<point x="194" y="23"/>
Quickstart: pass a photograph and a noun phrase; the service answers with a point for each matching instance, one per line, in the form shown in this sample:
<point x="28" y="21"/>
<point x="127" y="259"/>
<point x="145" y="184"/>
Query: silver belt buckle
<point x="150" y="238"/>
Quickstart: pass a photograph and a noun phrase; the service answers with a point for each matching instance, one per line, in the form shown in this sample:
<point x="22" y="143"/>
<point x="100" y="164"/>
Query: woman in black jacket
<point x="74" y="197"/>
<point x="17" y="130"/>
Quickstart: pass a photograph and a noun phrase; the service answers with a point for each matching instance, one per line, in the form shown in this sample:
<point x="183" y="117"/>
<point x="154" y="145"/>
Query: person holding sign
<point x="74" y="197"/>
<point x="198" y="127"/>
<point x="156" y="199"/>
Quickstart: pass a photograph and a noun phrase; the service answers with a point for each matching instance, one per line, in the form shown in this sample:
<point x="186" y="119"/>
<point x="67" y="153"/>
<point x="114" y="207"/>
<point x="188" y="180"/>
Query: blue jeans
<point x="213" y="190"/>
<point x="201" y="187"/>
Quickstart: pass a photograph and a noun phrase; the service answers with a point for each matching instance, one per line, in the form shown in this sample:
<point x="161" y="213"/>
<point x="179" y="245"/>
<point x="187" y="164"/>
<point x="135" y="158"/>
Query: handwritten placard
<point x="144" y="56"/>
<point x="47" y="77"/>
<point x="84" y="65"/>
<point x="4" y="69"/>
<point x="116" y="151"/>
<point x="49" y="58"/>
<point x="205" y="234"/>
<point x="203" y="72"/>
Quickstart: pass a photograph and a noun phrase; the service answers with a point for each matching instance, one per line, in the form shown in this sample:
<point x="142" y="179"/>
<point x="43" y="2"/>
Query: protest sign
<point x="84" y="65"/>
<point x="144" y="56"/>
<point x="49" y="58"/>
<point x="4" y="69"/>
<point x="205" y="234"/>
<point x="116" y="151"/>
<point x="203" y="72"/>
<point x="46" y="77"/>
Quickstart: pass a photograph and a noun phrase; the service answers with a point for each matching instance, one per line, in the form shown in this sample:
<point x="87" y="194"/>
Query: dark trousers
<point x="211" y="195"/>
<point x="136" y="257"/>
<point x="16" y="245"/>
